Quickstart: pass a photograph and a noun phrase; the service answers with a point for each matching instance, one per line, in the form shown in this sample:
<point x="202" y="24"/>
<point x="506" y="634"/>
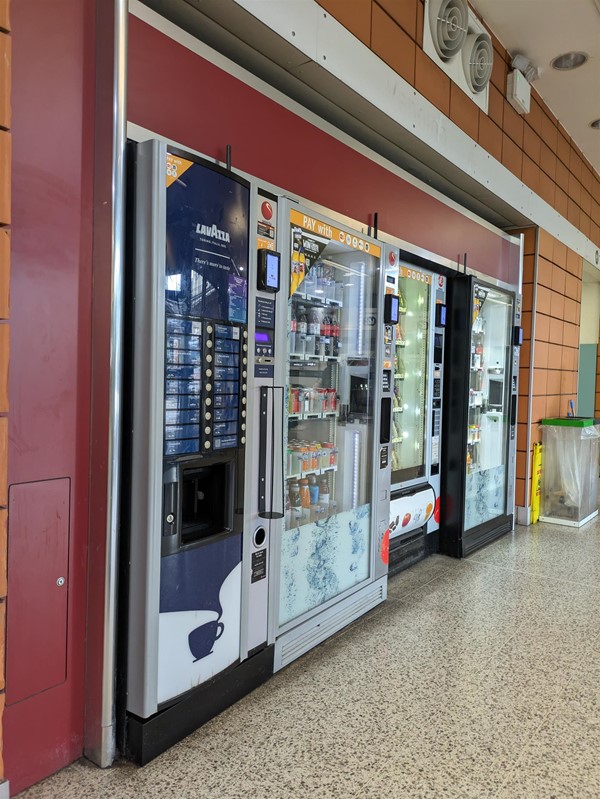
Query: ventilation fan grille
<point x="478" y="59"/>
<point x="449" y="26"/>
<point x="459" y="44"/>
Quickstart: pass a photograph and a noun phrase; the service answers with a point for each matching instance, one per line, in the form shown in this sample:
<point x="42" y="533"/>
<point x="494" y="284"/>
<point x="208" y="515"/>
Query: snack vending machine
<point x="331" y="489"/>
<point x="481" y="420"/>
<point x="418" y="364"/>
<point x="197" y="579"/>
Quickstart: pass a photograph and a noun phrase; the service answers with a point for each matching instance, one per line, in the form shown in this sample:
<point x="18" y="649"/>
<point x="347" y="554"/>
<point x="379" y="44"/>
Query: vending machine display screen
<point x="268" y="270"/>
<point x="207" y="243"/>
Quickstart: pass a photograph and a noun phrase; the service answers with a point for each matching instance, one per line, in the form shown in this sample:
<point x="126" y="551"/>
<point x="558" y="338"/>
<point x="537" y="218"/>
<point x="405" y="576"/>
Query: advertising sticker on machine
<point x="266" y="223"/>
<point x="415" y="274"/>
<point x="310" y="236"/>
<point x="207" y="242"/>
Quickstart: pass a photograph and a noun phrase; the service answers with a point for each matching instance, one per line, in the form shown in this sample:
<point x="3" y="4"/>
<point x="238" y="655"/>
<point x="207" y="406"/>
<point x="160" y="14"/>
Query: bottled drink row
<point x="315" y="331"/>
<point x="312" y="400"/>
<point x="308" y="500"/>
<point x="304" y="457"/>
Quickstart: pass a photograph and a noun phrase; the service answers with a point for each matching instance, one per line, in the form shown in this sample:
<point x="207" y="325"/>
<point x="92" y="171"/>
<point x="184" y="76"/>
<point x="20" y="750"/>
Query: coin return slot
<point x="259" y="537"/>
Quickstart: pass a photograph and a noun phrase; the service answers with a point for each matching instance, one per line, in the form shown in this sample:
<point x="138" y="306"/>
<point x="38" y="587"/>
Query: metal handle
<point x="270" y="468"/>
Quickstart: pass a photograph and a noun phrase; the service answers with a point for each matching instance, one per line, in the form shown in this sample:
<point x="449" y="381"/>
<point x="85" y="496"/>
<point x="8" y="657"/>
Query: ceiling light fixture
<point x="569" y="61"/>
<point x="595" y="124"/>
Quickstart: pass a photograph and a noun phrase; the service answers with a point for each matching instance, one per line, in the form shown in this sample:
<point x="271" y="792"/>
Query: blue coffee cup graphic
<point x="202" y="639"/>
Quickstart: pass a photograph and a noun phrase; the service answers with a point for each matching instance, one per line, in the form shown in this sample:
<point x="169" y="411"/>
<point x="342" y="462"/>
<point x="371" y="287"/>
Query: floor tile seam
<point x="417" y="588"/>
<point x="545" y="577"/>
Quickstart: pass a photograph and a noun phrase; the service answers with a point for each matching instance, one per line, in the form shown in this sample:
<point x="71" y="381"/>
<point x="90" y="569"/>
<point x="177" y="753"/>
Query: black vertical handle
<point x="386" y="421"/>
<point x="263" y="462"/>
<point x="513" y="410"/>
<point x="262" y="455"/>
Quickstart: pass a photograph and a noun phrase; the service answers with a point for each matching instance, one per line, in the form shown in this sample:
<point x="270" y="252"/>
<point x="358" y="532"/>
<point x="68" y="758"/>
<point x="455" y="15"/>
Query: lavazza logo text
<point x="213" y="232"/>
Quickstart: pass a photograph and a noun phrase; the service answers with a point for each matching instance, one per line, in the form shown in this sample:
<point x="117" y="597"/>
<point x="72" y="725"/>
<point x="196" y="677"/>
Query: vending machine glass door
<point x="411" y="360"/>
<point x="488" y="401"/>
<point x="330" y="406"/>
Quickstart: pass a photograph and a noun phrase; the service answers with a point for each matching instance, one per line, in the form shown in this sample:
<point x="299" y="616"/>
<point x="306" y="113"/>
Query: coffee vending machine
<point x="197" y="578"/>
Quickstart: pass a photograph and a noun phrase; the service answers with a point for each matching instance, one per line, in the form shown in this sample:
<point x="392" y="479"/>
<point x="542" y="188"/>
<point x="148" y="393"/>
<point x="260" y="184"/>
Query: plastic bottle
<point x="324" y="492"/>
<point x="314" y="326"/>
<point x="295" y="502"/>
<point x="302" y="321"/>
<point x="326" y="335"/>
<point x="304" y="493"/>
<point x="313" y="489"/>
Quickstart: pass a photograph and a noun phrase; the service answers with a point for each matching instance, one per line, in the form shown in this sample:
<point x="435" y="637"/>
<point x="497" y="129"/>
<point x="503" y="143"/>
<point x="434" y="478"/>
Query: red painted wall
<point x="50" y="368"/>
<point x="185" y="98"/>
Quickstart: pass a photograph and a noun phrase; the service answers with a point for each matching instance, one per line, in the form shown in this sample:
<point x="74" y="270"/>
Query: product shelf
<point x="317" y="300"/>
<point x="303" y="358"/>
<point x="308" y="415"/>
<point x="317" y="472"/>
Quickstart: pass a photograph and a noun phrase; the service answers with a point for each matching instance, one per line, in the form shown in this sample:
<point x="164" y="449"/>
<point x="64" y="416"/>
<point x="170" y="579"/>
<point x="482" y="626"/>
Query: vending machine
<point x="328" y="450"/>
<point x="480" y="422"/>
<point x="197" y="579"/>
<point x="417" y="357"/>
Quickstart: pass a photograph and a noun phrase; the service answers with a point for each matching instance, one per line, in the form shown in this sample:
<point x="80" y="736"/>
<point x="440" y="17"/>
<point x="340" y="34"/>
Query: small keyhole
<point x="60" y="582"/>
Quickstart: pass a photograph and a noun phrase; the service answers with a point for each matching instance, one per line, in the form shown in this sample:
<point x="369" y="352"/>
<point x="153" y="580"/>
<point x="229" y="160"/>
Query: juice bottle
<point x="304" y="493"/>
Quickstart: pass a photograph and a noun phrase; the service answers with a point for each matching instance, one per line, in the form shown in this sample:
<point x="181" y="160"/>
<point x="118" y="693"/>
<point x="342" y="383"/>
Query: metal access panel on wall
<point x="38" y="564"/>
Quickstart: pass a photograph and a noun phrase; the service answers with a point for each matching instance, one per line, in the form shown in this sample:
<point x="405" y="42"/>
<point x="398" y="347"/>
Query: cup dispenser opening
<point x="206" y="501"/>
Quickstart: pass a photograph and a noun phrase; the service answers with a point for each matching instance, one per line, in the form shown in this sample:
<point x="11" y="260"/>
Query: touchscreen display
<point x="272" y="276"/>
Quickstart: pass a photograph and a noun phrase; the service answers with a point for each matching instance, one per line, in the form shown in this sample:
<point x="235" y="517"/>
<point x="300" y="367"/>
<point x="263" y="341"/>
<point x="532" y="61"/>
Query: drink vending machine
<point x="329" y="496"/>
<point x="416" y="351"/>
<point x="197" y="579"/>
<point x="482" y="391"/>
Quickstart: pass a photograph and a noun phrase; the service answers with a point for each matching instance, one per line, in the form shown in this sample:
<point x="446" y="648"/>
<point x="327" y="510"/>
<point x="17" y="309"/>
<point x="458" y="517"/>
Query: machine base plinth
<point x="148" y="738"/>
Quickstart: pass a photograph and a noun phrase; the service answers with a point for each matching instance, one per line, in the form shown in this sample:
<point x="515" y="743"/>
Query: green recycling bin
<point x="571" y="447"/>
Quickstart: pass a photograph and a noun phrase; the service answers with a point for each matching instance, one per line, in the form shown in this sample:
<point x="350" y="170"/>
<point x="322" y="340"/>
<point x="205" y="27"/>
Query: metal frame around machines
<point x="452" y="540"/>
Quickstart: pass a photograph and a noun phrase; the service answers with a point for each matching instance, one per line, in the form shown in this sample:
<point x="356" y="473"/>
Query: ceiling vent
<point x="459" y="44"/>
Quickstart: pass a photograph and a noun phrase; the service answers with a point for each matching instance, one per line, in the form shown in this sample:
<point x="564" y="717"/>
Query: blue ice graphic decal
<point x="192" y="580"/>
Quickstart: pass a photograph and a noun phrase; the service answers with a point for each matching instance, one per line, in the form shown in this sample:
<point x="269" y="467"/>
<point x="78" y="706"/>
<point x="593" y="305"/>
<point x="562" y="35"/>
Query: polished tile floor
<point x="478" y="678"/>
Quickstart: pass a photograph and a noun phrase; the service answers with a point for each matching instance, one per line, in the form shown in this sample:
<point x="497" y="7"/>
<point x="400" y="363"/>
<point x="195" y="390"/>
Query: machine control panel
<point x="206" y="374"/>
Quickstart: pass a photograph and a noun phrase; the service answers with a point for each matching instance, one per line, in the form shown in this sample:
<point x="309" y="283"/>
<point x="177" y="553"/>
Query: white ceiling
<point x="542" y="30"/>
